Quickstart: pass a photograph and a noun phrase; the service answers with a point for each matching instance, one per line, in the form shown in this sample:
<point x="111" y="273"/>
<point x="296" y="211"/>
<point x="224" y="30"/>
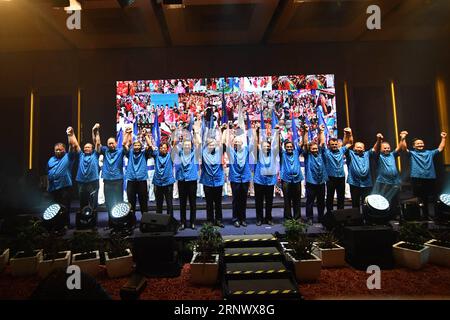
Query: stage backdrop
<point x="310" y="99"/>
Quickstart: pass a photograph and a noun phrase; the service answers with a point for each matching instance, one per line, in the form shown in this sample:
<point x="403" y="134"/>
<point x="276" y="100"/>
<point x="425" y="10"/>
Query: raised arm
<point x="147" y="139"/>
<point x="321" y="135"/>
<point x="72" y="140"/>
<point x="376" y="146"/>
<point x="402" y="142"/>
<point x="442" y="144"/>
<point x="348" y="138"/>
<point x="127" y="138"/>
<point x="96" y="137"/>
<point x="305" y="141"/>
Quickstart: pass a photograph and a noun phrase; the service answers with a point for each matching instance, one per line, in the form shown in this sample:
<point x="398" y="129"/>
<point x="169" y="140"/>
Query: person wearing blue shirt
<point x="387" y="182"/>
<point x="239" y="176"/>
<point x="265" y="176"/>
<point x="59" y="170"/>
<point x="316" y="174"/>
<point x="423" y="174"/>
<point x="136" y="173"/>
<point x="163" y="178"/>
<point x="212" y="177"/>
<point x="334" y="164"/>
<point x="87" y="174"/>
<point x="186" y="173"/>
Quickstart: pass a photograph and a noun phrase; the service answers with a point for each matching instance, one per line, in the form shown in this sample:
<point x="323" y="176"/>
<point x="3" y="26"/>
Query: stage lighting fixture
<point x="86" y="218"/>
<point x="376" y="209"/>
<point x="412" y="209"/>
<point x="121" y="219"/>
<point x="125" y="3"/>
<point x="442" y="208"/>
<point x="53" y="217"/>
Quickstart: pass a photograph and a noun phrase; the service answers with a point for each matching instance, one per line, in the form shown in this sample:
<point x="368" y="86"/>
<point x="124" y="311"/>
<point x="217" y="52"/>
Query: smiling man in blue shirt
<point x="59" y="169"/>
<point x="423" y="174"/>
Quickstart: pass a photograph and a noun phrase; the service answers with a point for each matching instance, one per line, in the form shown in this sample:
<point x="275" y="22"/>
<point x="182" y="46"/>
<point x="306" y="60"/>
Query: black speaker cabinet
<point x="343" y="217"/>
<point x="157" y="222"/>
<point x="369" y="245"/>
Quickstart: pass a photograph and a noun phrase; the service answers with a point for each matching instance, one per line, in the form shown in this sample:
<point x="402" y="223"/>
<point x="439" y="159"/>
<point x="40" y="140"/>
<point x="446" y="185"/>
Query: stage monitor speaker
<point x="343" y="217"/>
<point x="157" y="222"/>
<point x="369" y="245"/>
<point x="412" y="210"/>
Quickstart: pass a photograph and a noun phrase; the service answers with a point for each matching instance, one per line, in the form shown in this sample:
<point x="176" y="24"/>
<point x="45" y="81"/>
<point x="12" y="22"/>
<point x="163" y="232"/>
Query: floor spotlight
<point x="412" y="209"/>
<point x="86" y="218"/>
<point x="376" y="209"/>
<point x="442" y="208"/>
<point x="54" y="217"/>
<point x="121" y="218"/>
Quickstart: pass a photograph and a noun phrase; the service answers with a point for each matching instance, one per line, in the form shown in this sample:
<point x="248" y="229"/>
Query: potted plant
<point x="440" y="248"/>
<point x="328" y="250"/>
<point x="118" y="257"/>
<point x="307" y="265"/>
<point x="85" y="253"/>
<point x="293" y="230"/>
<point x="53" y="256"/>
<point x="205" y="259"/>
<point x="26" y="259"/>
<point x="410" y="251"/>
<point x="4" y="254"/>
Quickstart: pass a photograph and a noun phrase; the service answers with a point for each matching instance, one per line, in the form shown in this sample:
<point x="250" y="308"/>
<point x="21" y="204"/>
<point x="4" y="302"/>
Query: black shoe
<point x="182" y="227"/>
<point x="219" y="224"/>
<point x="193" y="226"/>
<point x="270" y="223"/>
<point x="258" y="223"/>
<point x="243" y="223"/>
<point x="236" y="224"/>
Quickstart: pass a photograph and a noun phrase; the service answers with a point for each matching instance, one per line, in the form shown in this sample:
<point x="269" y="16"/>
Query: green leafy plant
<point x="209" y="242"/>
<point x="85" y="242"/>
<point x="29" y="237"/>
<point x="52" y="244"/>
<point x="294" y="229"/>
<point x="414" y="234"/>
<point x="117" y="246"/>
<point x="302" y="247"/>
<point x="327" y="241"/>
<point x="442" y="238"/>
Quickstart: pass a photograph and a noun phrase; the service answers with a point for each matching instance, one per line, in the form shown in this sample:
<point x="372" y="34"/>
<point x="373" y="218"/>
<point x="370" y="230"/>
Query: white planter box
<point x="413" y="259"/>
<point x="331" y="258"/>
<point x="89" y="266"/>
<point x="438" y="255"/>
<point x="45" y="267"/>
<point x="285" y="250"/>
<point x="307" y="270"/>
<point x="120" y="266"/>
<point x="204" y="273"/>
<point x="4" y="258"/>
<point x="25" y="266"/>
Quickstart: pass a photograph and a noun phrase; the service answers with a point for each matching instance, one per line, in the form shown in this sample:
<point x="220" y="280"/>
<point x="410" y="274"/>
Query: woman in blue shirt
<point x="186" y="174"/>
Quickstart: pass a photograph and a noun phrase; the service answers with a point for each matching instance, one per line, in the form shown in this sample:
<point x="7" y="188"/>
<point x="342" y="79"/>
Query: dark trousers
<point x="263" y="193"/>
<point x="113" y="193"/>
<point x="63" y="197"/>
<point x="188" y="189"/>
<point x="424" y="189"/>
<point x="240" y="191"/>
<point x="335" y="184"/>
<point x="315" y="192"/>
<point x="137" y="188"/>
<point x="162" y="193"/>
<point x="358" y="195"/>
<point x="292" y="193"/>
<point x="213" y="197"/>
<point x="88" y="193"/>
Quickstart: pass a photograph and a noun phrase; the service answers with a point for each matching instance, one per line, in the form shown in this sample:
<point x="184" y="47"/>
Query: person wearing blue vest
<point x="265" y="176"/>
<point x="334" y="164"/>
<point x="291" y="178"/>
<point x="88" y="168"/>
<point x="59" y="170"/>
<point x="112" y="171"/>
<point x="212" y="176"/>
<point x="163" y="178"/>
<point x="136" y="172"/>
<point x="240" y="176"/>
<point x="387" y="182"/>
<point x="186" y="174"/>
<point x="315" y="172"/>
<point x="423" y="174"/>
<point x="359" y="176"/>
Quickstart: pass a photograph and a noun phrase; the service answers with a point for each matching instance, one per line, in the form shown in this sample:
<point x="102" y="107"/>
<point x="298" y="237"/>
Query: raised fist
<point x="128" y="130"/>
<point x="348" y="130"/>
<point x="379" y="136"/>
<point x="403" y="134"/>
<point x="96" y="126"/>
<point x="69" y="131"/>
<point x="321" y="127"/>
<point x="443" y="134"/>
<point x="144" y="132"/>
<point x="306" y="127"/>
